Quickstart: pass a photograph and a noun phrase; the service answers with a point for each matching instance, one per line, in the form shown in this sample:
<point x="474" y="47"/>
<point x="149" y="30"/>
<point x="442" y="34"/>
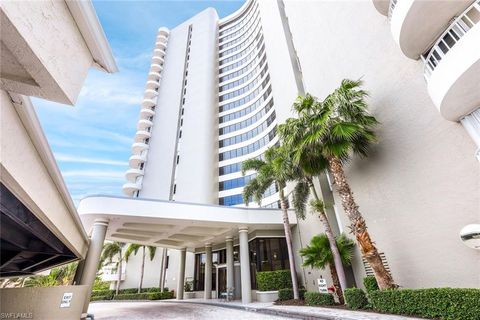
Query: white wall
<point x="151" y="276"/>
<point x="420" y="185"/>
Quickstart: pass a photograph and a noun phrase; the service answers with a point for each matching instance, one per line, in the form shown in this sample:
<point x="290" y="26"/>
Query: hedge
<point x="319" y="299"/>
<point x="97" y="293"/>
<point x="287" y="294"/>
<point x="370" y="284"/>
<point x="101" y="298"/>
<point x="355" y="298"/>
<point x="274" y="280"/>
<point x="145" y="296"/>
<point x="131" y="294"/>
<point x="442" y="303"/>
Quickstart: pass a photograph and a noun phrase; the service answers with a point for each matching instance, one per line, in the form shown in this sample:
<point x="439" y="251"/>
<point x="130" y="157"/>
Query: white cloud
<point x="94" y="174"/>
<point x="69" y="158"/>
<point x="125" y="88"/>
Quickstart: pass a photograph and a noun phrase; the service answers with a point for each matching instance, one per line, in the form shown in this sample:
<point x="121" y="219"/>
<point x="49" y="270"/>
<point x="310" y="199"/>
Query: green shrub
<point x="273" y="280"/>
<point x="355" y="298"/>
<point x="287" y="294"/>
<point x="128" y="291"/>
<point x="370" y="284"/>
<point x="442" y="303"/>
<point x="319" y="299"/>
<point x="101" y="298"/>
<point x="102" y="293"/>
<point x="98" y="284"/>
<point x="145" y="296"/>
<point x="154" y="289"/>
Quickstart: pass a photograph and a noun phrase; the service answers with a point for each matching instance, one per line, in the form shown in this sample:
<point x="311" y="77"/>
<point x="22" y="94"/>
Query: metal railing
<point x="391" y="7"/>
<point x="455" y="31"/>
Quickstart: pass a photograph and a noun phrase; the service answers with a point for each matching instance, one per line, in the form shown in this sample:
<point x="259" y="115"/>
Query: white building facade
<point x="215" y="92"/>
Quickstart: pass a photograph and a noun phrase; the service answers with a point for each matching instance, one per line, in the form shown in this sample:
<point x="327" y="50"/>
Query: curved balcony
<point x="146" y="112"/>
<point x="161" y="45"/>
<point x="452" y="67"/>
<point x="133" y="173"/>
<point x="150" y="93"/>
<point x="138" y="147"/>
<point x="163" y="31"/>
<point x="158" y="52"/>
<point x="155" y="76"/>
<point x="144" y="124"/>
<point x="416" y="24"/>
<point x="135" y="160"/>
<point x="130" y="188"/>
<point x="158" y="60"/>
<point x="152" y="84"/>
<point x="381" y="6"/>
<point x="142" y="135"/>
<point x="155" y="67"/>
<point x="148" y="102"/>
<point x="162" y="38"/>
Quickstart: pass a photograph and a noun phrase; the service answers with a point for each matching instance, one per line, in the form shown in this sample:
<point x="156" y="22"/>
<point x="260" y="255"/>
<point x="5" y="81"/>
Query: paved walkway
<point x="153" y="310"/>
<point x="302" y="312"/>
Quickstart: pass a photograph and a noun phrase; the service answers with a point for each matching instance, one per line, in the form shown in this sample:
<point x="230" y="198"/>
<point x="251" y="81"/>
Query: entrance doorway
<point x="221" y="279"/>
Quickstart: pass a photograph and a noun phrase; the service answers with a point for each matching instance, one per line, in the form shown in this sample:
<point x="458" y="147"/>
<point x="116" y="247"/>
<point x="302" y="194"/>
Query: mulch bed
<point x="292" y="302"/>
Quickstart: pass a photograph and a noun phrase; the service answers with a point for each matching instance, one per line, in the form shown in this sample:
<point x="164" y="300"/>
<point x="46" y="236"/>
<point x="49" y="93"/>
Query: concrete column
<point x="245" y="266"/>
<point x="208" y="271"/>
<point x="181" y="274"/>
<point x="90" y="264"/>
<point x="230" y="267"/>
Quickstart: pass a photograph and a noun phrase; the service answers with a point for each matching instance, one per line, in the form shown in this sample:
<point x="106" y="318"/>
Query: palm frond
<point x="300" y="197"/>
<point x="151" y="252"/>
<point x="132" y="248"/>
<point x="252" y="164"/>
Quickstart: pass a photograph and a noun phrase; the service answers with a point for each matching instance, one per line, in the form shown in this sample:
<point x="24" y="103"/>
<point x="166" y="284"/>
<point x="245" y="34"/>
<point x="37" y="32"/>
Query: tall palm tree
<point x="133" y="248"/>
<point x="310" y="164"/>
<point x="274" y="170"/>
<point x="110" y="250"/>
<point x="318" y="255"/>
<point x="339" y="127"/>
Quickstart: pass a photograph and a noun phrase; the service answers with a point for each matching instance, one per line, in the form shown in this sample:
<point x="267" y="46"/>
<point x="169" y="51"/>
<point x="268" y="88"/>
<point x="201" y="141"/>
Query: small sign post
<point x="322" y="285"/>
<point x="66" y="299"/>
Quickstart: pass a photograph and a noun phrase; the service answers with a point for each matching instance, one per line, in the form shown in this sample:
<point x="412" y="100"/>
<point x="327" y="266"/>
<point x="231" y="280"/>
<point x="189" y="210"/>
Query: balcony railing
<point x="391" y="7"/>
<point x="457" y="29"/>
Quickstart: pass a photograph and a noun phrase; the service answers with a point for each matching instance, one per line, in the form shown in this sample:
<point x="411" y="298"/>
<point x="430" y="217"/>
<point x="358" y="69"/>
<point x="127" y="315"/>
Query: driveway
<point x="150" y="310"/>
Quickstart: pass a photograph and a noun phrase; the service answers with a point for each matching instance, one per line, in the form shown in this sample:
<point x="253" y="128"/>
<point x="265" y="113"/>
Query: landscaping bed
<point x="131" y="294"/>
<point x="433" y="303"/>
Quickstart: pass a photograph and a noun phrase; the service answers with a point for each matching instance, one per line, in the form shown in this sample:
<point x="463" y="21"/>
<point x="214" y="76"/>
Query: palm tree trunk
<point x="119" y="270"/>
<point x="142" y="271"/>
<point x="288" y="239"/>
<point x="162" y="269"/>
<point x="338" y="266"/>
<point x="359" y="226"/>
<point x="336" y="283"/>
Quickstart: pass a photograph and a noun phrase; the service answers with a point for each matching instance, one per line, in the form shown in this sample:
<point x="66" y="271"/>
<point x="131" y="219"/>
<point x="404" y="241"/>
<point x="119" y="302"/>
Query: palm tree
<point x="318" y="255"/>
<point x="133" y="248"/>
<point x="110" y="250"/>
<point x="339" y="127"/>
<point x="310" y="164"/>
<point x="274" y="170"/>
<point x="58" y="276"/>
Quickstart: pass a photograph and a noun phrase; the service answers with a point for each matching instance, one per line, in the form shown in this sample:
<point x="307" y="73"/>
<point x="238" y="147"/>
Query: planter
<point x="267" y="296"/>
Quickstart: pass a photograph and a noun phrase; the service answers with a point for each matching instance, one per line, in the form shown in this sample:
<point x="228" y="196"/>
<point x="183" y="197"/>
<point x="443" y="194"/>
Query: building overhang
<point x="40" y="225"/>
<point x="174" y="224"/>
<point x="48" y="47"/>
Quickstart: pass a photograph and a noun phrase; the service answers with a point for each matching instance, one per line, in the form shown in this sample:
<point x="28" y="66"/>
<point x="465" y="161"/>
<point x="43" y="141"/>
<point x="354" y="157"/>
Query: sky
<point x="91" y="141"/>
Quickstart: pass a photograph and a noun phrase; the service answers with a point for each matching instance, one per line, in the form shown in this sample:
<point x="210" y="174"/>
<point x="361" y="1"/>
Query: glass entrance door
<point x="221" y="280"/>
